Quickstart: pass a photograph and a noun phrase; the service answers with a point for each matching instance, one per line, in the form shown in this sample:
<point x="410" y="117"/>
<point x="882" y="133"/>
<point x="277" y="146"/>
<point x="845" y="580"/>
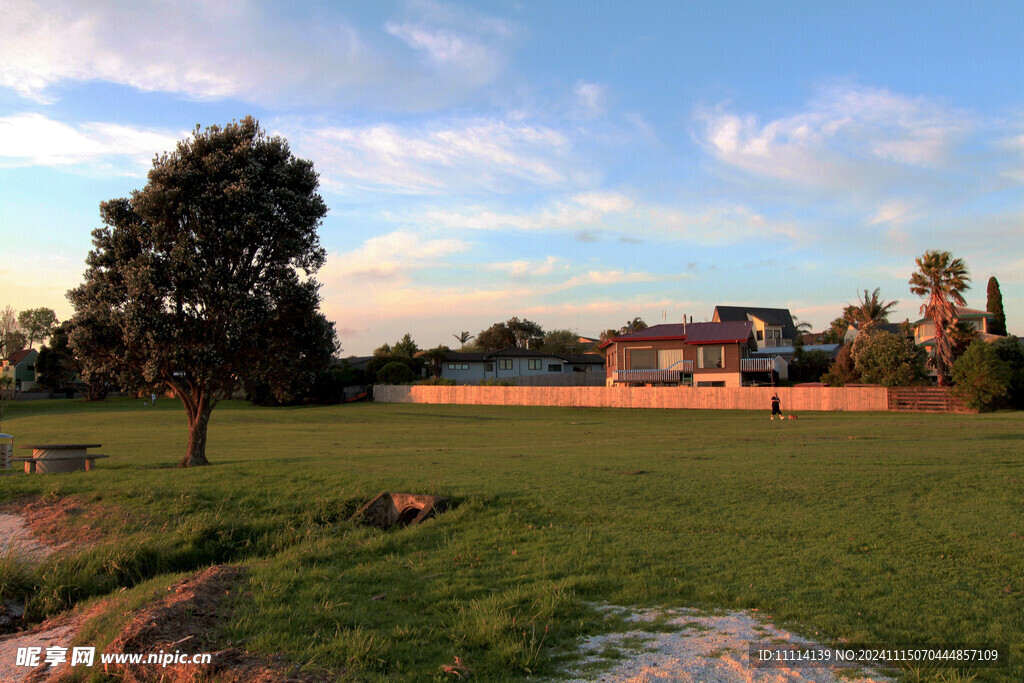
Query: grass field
<point x="878" y="528"/>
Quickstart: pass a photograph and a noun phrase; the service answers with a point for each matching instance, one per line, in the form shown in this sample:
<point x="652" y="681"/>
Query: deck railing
<point x="756" y="364"/>
<point x="654" y="376"/>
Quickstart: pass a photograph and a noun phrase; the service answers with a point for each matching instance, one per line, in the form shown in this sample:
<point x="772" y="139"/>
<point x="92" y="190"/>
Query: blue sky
<point x="575" y="163"/>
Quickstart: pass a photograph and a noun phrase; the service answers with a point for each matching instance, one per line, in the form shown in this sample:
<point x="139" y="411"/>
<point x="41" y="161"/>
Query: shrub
<point x="887" y="359"/>
<point x="979" y="377"/>
<point x="1011" y="353"/>
<point x="396" y="372"/>
<point x="843" y="370"/>
<point x="437" y="381"/>
<point x="496" y="383"/>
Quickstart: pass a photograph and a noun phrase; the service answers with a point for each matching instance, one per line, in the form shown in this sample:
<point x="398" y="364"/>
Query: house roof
<point x="962" y="313"/>
<point x="772" y="316"/>
<point x="692" y="333"/>
<point x="653" y="333"/>
<point x="20" y="355"/>
<point x="831" y="349"/>
<point x="584" y="358"/>
<point x="461" y="357"/>
<point x="513" y="352"/>
<point x="715" y="333"/>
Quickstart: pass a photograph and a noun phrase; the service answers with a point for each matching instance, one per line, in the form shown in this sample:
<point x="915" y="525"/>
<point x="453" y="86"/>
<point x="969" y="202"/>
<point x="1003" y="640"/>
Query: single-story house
<point x="513" y="362"/>
<point x="20" y="366"/>
<point x="771" y="326"/>
<point x="715" y="354"/>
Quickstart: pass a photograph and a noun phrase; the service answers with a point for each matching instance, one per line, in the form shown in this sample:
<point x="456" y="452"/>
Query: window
<point x="760" y="335"/>
<point x="710" y="384"/>
<point x="504" y="363"/>
<point x="533" y="364"/>
<point x="710" y="357"/>
<point x="554" y="367"/>
<point x="643" y="359"/>
<point x="489" y="367"/>
<point x="458" y="366"/>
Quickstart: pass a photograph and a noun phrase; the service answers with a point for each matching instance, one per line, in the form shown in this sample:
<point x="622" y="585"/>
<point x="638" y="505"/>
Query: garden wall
<point x="794" y="399"/>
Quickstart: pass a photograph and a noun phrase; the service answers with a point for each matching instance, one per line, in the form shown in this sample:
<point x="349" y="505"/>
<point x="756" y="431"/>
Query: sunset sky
<point x="575" y="163"/>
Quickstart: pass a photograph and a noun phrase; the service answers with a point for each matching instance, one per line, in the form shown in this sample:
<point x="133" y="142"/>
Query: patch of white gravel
<point x="16" y="538"/>
<point x="707" y="648"/>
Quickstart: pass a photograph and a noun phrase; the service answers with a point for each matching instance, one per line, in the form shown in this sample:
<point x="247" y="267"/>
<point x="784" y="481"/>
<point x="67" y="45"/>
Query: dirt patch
<point x="61" y="523"/>
<point x="179" y="622"/>
<point x="702" y="647"/>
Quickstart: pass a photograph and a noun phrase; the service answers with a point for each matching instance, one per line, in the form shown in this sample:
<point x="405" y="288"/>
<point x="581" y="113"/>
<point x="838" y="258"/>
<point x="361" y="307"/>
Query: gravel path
<point x="706" y="648"/>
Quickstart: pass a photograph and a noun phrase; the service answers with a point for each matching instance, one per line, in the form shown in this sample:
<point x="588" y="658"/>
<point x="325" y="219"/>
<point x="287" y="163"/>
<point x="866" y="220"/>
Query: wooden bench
<point x="88" y="460"/>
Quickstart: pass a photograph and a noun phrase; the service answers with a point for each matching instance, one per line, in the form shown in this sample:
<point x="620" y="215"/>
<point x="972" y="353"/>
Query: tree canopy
<point x="203" y="279"/>
<point x="869" y="310"/>
<point x="37" y="324"/>
<point x="513" y="332"/>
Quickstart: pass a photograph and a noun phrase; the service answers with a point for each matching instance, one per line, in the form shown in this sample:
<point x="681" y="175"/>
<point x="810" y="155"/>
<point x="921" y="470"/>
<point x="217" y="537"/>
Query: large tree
<point x="869" y="310"/>
<point x="943" y="280"/>
<point x="37" y="323"/>
<point x="203" y="279"/>
<point x="994" y="305"/>
<point x="516" y="332"/>
<point x="12" y="337"/>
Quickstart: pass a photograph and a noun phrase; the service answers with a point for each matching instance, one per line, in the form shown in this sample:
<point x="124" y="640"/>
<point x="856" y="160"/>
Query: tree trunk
<point x="198" y="420"/>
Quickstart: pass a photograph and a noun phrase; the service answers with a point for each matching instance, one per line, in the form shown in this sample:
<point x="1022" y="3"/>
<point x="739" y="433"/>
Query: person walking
<point x="776" y="406"/>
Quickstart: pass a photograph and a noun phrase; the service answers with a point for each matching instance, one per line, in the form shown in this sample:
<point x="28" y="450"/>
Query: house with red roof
<point x="714" y="354"/>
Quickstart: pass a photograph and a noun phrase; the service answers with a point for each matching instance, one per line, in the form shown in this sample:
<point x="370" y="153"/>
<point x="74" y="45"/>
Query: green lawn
<point x="879" y="528"/>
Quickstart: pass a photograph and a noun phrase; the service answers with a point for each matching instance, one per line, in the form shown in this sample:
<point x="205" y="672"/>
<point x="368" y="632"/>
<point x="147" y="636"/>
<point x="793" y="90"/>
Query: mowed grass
<point x="876" y="528"/>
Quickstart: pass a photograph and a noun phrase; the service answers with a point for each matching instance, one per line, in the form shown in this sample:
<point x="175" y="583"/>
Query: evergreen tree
<point x="995" y="307"/>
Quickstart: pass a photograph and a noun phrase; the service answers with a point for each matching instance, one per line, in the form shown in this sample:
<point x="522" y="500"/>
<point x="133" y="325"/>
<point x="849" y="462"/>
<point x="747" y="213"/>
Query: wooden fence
<point x="926" y="400"/>
<point x="794" y="399"/>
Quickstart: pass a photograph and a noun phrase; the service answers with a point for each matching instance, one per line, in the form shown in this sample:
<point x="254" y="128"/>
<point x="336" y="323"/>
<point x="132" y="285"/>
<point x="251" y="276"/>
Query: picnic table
<point x="59" y="457"/>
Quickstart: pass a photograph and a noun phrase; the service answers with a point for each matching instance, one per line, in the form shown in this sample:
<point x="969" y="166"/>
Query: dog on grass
<point x="791" y="417"/>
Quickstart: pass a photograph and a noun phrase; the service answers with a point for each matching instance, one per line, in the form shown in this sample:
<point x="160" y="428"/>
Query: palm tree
<point x="463" y="337"/>
<point x="634" y="325"/>
<point x="869" y="310"/>
<point x="942" y="279"/>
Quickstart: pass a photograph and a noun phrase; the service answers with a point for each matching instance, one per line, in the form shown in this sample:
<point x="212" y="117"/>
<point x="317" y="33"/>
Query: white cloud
<point x="35" y="140"/>
<point x="238" y="48"/>
<point x="591" y="98"/>
<point x="388" y="257"/>
<point x="480" y="154"/>
<point x="616" y="212"/>
<point x="849" y="138"/>
<point x="524" y="268"/>
<point x="581" y="210"/>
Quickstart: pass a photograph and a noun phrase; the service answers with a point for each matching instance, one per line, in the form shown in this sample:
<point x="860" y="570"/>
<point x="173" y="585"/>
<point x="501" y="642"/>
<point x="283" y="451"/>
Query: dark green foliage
<point x="58" y="369"/>
<point x="979" y="377"/>
<point x="888" y="359"/>
<point x="437" y="381"/>
<point x="513" y="332"/>
<point x="809" y="366"/>
<point x="994" y="305"/>
<point x="843" y="371"/>
<point x="1011" y="355"/>
<point x="396" y="372"/>
<point x="203" y="279"/>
